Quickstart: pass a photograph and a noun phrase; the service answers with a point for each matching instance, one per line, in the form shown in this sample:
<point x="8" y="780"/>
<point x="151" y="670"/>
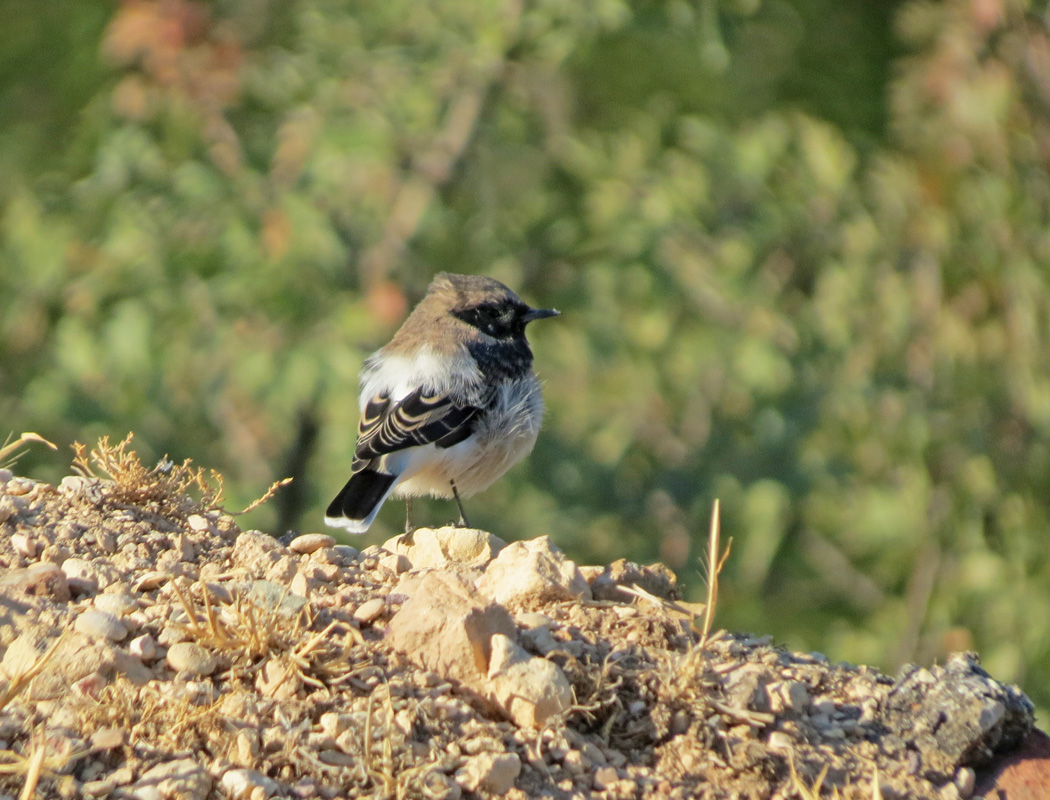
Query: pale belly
<point x="503" y="438"/>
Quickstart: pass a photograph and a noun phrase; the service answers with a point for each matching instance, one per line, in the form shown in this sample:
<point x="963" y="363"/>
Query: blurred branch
<point x="837" y="571"/>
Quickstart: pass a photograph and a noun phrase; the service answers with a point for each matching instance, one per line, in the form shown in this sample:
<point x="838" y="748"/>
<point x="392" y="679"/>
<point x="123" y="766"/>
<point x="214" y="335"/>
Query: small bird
<point x="448" y="406"/>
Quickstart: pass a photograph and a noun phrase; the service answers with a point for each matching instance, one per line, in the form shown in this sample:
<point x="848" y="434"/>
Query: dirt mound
<point x="152" y="649"/>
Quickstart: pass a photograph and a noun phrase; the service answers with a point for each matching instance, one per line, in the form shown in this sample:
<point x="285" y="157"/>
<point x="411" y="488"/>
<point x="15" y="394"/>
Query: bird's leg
<point x="462" y="514"/>
<point x="409" y="527"/>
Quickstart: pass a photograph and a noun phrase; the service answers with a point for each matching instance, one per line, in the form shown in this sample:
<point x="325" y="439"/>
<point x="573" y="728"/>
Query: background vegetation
<point x="802" y="247"/>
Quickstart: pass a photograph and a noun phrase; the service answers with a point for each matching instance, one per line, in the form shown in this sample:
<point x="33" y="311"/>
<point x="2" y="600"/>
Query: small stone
<point x="779" y="740"/>
<point x="433" y="548"/>
<point x="605" y="777"/>
<point x="310" y="543"/>
<point x="5" y="475"/>
<point x="39" y="580"/>
<point x="183" y="779"/>
<point x="143" y="647"/>
<point x="151" y="581"/>
<point x="20" y="486"/>
<point x="97" y="788"/>
<point x="530" y="619"/>
<point x="117" y="604"/>
<point x="107" y="738"/>
<point x="966" y="780"/>
<point x="247" y="784"/>
<point x="190" y="658"/>
<point x="277" y="680"/>
<point x="335" y="759"/>
<point x="333" y="723"/>
<point x="198" y="522"/>
<point x="347" y="553"/>
<point x="24" y="545"/>
<point x="530" y="690"/>
<point x="370" y="610"/>
<point x="80" y="573"/>
<point x="395" y="563"/>
<point x="532" y="571"/>
<point x="100" y="625"/>
<point x="493" y="773"/>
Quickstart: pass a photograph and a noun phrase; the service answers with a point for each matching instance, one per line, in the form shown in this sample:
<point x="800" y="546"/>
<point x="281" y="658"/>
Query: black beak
<point x="539" y="313"/>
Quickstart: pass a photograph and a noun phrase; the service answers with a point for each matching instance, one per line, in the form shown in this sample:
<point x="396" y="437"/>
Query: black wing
<point x="418" y="418"/>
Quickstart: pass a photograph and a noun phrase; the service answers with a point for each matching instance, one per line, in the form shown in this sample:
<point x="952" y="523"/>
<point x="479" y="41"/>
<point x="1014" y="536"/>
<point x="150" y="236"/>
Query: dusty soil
<point x="151" y="649"/>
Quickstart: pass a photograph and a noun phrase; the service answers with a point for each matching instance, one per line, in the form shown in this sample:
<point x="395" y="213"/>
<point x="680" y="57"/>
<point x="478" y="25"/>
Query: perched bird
<point x="449" y="405"/>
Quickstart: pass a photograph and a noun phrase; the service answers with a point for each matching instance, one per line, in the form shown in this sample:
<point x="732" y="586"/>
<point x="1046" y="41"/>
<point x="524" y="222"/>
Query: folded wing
<point x="421" y="417"/>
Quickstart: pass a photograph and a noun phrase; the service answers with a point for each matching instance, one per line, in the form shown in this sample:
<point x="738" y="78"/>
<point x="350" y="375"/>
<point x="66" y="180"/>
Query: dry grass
<point x="245" y="636"/>
<point x="42" y="757"/>
<point x="166" y="489"/>
<point x="9" y="452"/>
<point x="716" y="560"/>
<point x="163" y="489"/>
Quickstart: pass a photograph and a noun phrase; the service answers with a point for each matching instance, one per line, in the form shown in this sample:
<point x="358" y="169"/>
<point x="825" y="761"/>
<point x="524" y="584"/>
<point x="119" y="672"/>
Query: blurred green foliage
<point x="802" y="247"/>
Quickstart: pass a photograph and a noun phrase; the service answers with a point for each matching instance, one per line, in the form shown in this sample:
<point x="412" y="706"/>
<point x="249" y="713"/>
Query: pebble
<point x="334" y="758"/>
<point x="143" y="647"/>
<point x="243" y="784"/>
<point x="117" y="604"/>
<point x="370" y="610"/>
<point x="100" y="625"/>
<point x="310" y="542"/>
<point x="198" y="522"/>
<point x="151" y="581"/>
<point x="347" y="553"/>
<point x="5" y="475"/>
<point x="531" y="619"/>
<point x="20" y="486"/>
<point x="24" y="545"/>
<point x="605" y="777"/>
<point x="396" y="563"/>
<point x="79" y="569"/>
<point x="779" y="740"/>
<point x="966" y="781"/>
<point x="191" y="658"/>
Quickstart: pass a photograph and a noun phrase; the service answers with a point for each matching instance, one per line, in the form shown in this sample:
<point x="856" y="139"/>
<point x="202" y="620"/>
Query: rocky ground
<point x="152" y="649"/>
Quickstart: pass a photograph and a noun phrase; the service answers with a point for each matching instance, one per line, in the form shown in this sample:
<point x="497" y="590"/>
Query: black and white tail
<point x="356" y="505"/>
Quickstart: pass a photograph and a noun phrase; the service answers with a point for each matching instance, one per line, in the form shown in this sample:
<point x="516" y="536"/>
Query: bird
<point x="448" y="405"/>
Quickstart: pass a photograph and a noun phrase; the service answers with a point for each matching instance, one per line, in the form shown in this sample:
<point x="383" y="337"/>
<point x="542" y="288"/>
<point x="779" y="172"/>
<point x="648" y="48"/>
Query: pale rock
<point x="447" y="626"/>
<point x="81" y="572"/>
<point x="143" y="647"/>
<point x="283" y="570"/>
<point x="370" y="610"/>
<point x="25" y="546"/>
<point x="39" y="580"/>
<point x="533" y="571"/>
<point x="605" y="777"/>
<point x="530" y="690"/>
<point x="151" y="581"/>
<point x="107" y="738"/>
<point x="97" y="624"/>
<point x="247" y="784"/>
<point x="198" y="523"/>
<point x="490" y="773"/>
<point x="190" y="658"/>
<point x="433" y="548"/>
<point x="310" y="543"/>
<point x="119" y="605"/>
<point x="183" y="779"/>
<point x="300" y="584"/>
<point x="278" y="680"/>
<point x="258" y="553"/>
<point x="397" y="564"/>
